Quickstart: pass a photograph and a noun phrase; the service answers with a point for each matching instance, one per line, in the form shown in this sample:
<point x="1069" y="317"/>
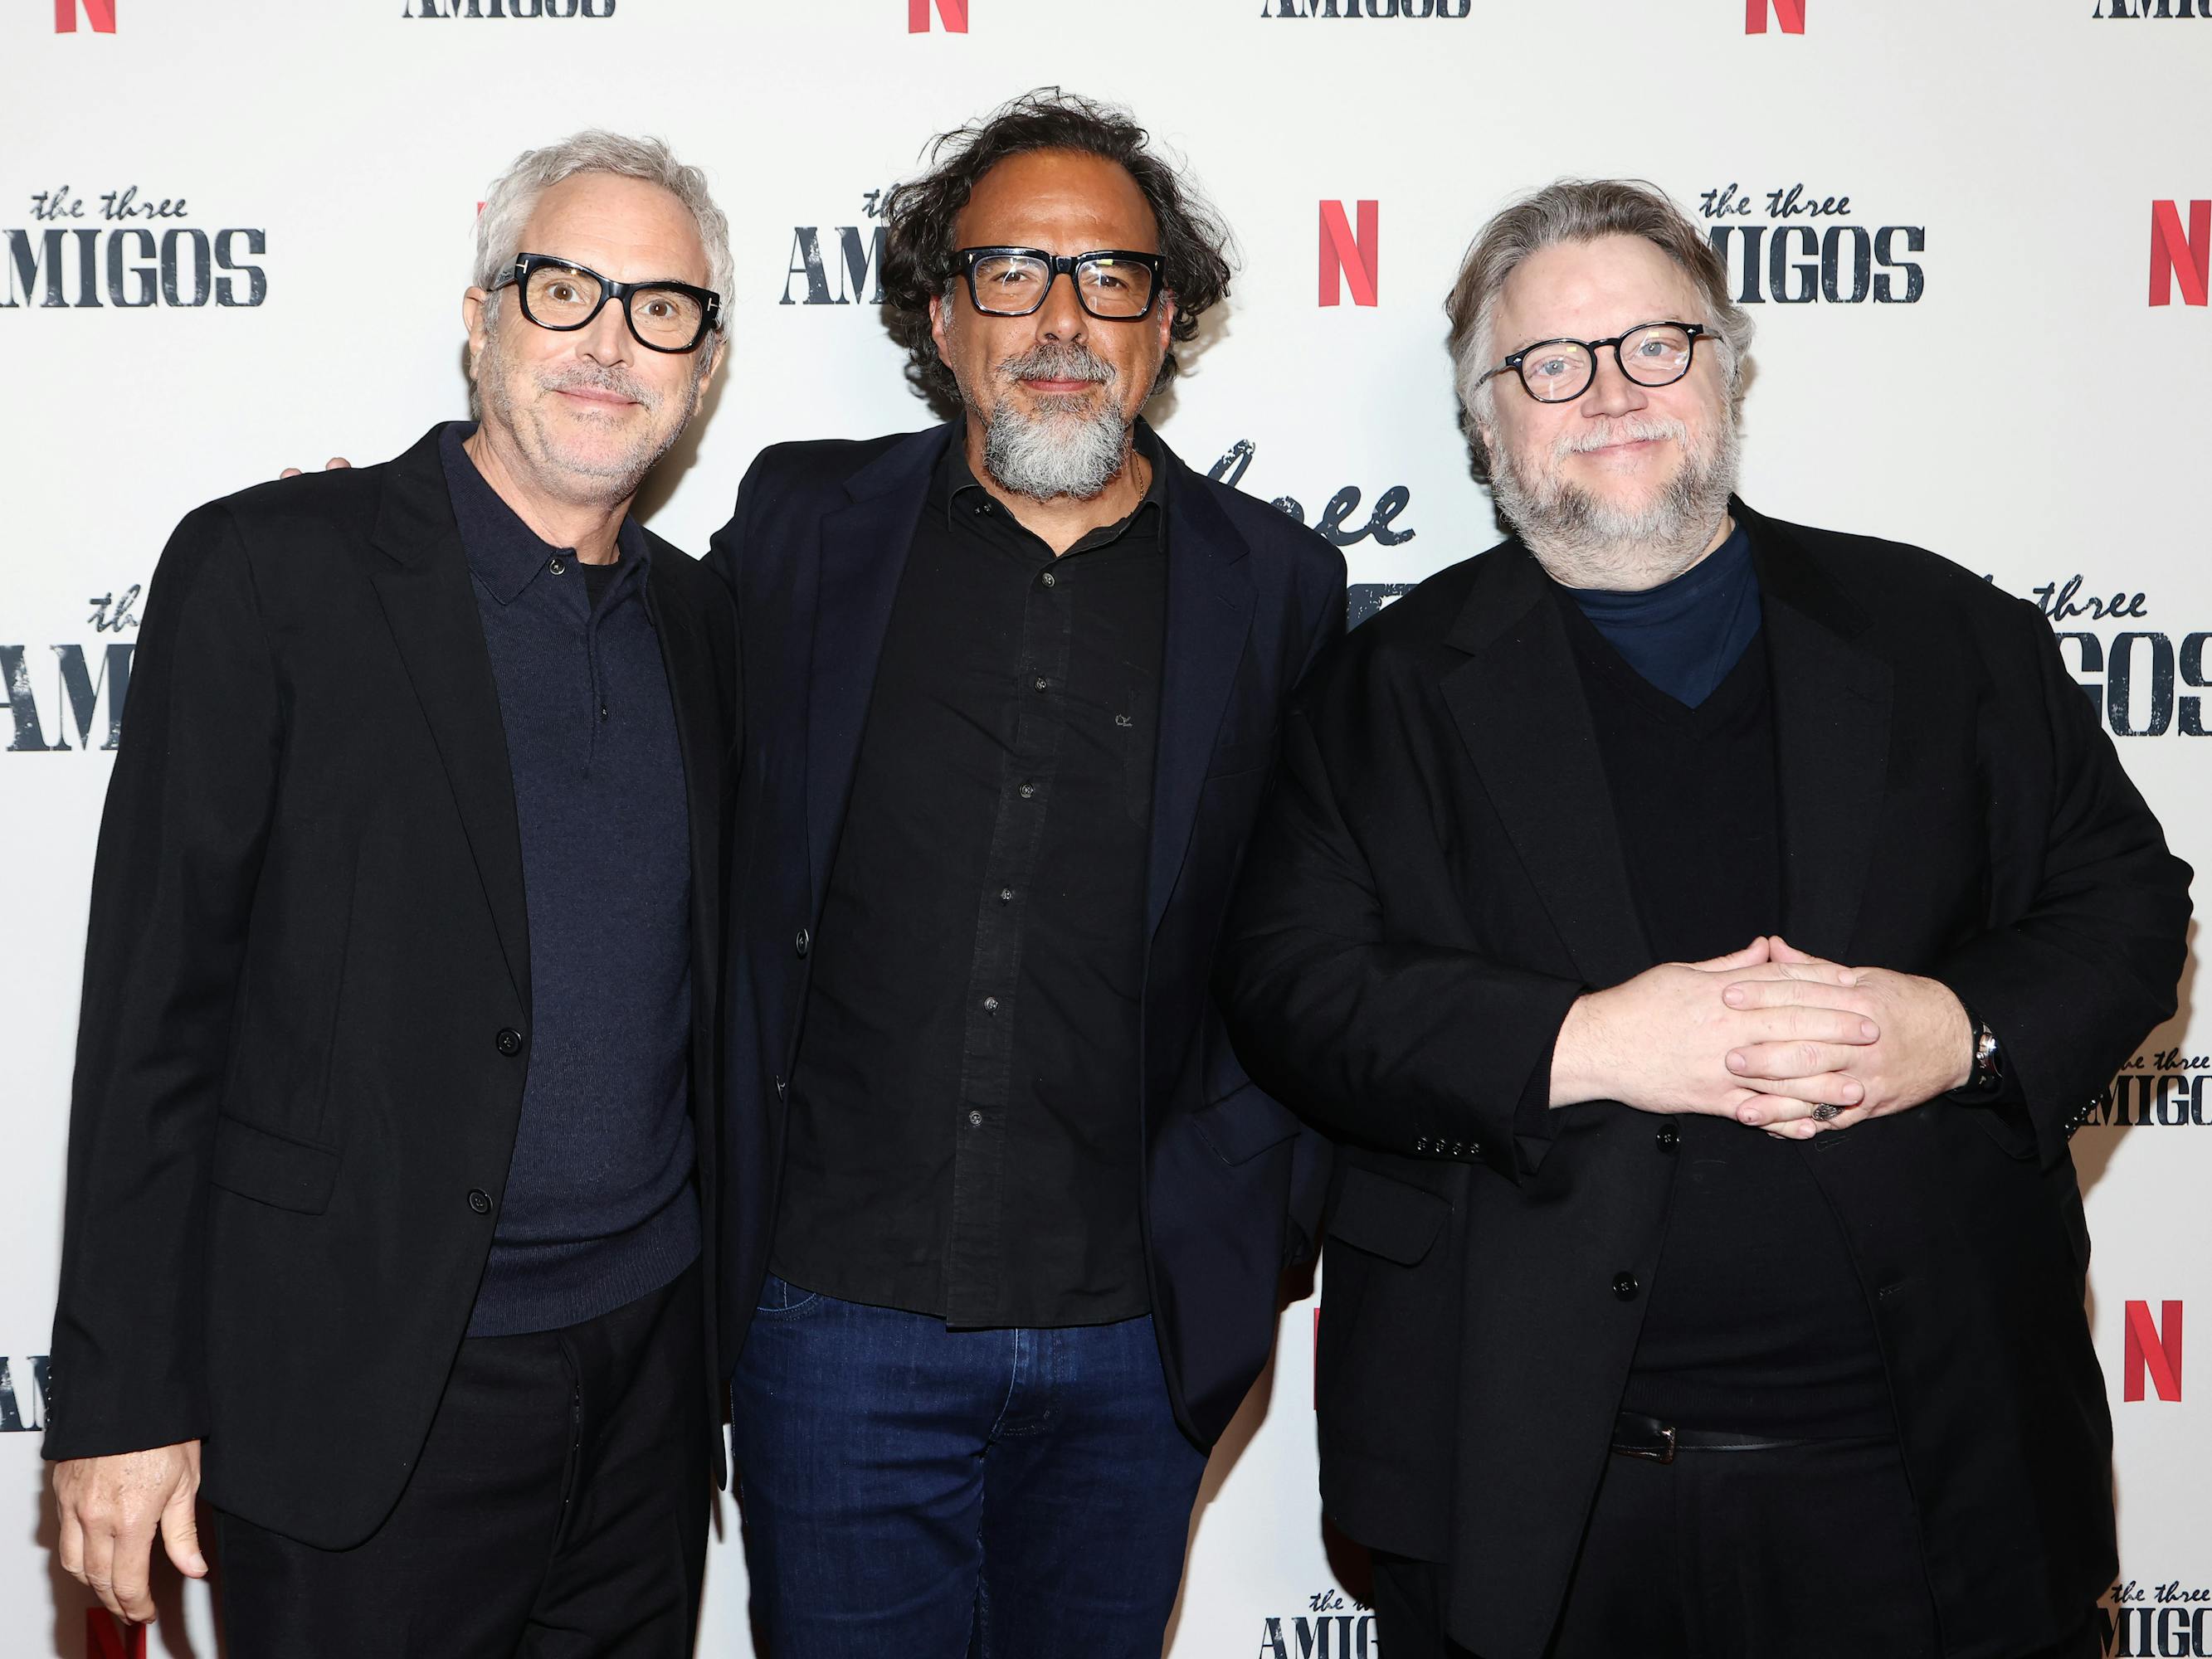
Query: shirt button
<point x="990" y="1004"/>
<point x="1625" y="1286"/>
<point x="1042" y="683"/>
<point x="804" y="943"/>
<point x="508" y="1041"/>
<point x="975" y="1120"/>
<point x="1668" y="1138"/>
<point x="1005" y="896"/>
<point x="1028" y="789"/>
<point x="1050" y="580"/>
<point x="556" y="567"/>
<point x="479" y="1200"/>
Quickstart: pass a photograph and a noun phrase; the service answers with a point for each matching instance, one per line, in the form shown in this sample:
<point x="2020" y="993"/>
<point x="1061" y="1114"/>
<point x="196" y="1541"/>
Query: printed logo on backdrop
<point x="106" y="1639"/>
<point x="1351" y="257"/>
<point x="1340" y="524"/>
<point x="507" y="8"/>
<point x="2181" y="256"/>
<point x="2164" y="1090"/>
<point x="1794" y="246"/>
<point x="838" y="265"/>
<point x="2150" y="1350"/>
<point x="1331" y="1627"/>
<point x="23" y="1393"/>
<point x="130" y="249"/>
<point x="2143" y="682"/>
<point x="2140" y="8"/>
<point x="58" y="692"/>
<point x="2172" y="1617"/>
<point x="1452" y="9"/>
<point x="1789" y="15"/>
<point x="99" y="15"/>
<point x="953" y="14"/>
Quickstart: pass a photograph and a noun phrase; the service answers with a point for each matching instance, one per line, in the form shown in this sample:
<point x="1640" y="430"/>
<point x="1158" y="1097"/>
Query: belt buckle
<point x="1667" y="1430"/>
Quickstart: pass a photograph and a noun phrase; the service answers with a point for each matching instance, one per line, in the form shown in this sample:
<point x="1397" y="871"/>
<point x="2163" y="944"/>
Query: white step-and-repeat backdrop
<point x="1974" y="234"/>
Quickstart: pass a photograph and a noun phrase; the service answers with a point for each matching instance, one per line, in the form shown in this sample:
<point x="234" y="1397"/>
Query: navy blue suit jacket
<point x="1233" y="1183"/>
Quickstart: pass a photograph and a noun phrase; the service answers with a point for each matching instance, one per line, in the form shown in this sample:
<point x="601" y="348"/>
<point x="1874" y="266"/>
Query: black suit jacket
<point x="1438" y="875"/>
<point x="814" y="553"/>
<point x="308" y="935"/>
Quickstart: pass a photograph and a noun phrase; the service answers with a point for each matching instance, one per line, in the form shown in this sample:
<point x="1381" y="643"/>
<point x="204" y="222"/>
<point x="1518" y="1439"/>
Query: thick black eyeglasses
<point x="1111" y="283"/>
<point x="563" y="296"/>
<point x="1559" y="371"/>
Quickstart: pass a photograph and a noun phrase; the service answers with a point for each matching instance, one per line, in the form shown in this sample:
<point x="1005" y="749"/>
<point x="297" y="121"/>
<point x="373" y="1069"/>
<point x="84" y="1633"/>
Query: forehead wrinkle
<point x="613" y="232"/>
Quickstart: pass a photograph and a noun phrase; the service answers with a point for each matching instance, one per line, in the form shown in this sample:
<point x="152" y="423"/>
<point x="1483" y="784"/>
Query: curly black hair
<point x="920" y="242"/>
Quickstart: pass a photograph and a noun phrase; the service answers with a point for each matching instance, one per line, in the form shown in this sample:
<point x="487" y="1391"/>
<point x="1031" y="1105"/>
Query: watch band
<point x="1986" y="1076"/>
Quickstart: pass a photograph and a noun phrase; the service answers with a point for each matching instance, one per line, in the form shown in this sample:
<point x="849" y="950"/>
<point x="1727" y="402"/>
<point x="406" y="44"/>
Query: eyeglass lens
<point x="559" y="296"/>
<point x="1656" y="356"/>
<point x="1014" y="285"/>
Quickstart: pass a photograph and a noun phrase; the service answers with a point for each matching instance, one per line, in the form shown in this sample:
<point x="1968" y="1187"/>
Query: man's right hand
<point x="1659" y="1042"/>
<point x="331" y="465"/>
<point x="110" y="1508"/>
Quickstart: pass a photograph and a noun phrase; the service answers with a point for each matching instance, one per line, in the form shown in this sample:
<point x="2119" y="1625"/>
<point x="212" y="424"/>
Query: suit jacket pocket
<point x="1386" y="1218"/>
<point x="1243" y="1124"/>
<point x="273" y="1168"/>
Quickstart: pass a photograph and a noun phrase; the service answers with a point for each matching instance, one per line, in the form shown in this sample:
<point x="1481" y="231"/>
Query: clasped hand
<point x="1767" y="1035"/>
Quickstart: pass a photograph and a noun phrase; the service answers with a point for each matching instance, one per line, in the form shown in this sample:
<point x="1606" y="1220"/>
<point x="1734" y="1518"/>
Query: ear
<point x="716" y="347"/>
<point x="474" y="319"/>
<point x="937" y="321"/>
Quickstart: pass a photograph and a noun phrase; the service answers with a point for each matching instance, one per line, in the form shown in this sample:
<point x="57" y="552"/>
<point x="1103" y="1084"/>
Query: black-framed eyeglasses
<point x="1559" y="371"/>
<point x="563" y="296"/>
<point x="1113" y="284"/>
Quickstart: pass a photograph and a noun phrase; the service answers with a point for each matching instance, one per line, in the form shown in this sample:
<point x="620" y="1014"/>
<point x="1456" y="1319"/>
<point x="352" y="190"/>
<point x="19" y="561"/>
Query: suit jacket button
<point x="1668" y="1137"/>
<point x="479" y="1200"/>
<point x="804" y="943"/>
<point x="508" y="1041"/>
<point x="1625" y="1286"/>
<point x="1474" y="1149"/>
<point x="1422" y="1145"/>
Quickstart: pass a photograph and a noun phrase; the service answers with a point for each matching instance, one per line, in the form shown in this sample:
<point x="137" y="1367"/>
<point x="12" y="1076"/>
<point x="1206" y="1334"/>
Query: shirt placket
<point x="975" y="1251"/>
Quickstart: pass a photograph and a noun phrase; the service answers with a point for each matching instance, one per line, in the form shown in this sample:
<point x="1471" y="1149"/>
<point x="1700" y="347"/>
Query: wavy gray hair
<point x="1578" y="210"/>
<point x="514" y="193"/>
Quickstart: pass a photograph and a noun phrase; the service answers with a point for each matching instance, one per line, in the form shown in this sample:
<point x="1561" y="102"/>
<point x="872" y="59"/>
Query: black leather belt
<point x="1637" y="1435"/>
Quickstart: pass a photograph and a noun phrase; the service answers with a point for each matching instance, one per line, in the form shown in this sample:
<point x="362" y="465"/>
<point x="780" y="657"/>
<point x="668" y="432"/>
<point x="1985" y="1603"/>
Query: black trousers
<point x="1794" y="1552"/>
<point x="559" y="1511"/>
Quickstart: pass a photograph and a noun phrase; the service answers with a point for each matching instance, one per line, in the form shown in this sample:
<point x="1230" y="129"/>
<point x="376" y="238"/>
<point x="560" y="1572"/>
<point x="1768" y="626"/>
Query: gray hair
<point x="514" y="195"/>
<point x="1578" y="210"/>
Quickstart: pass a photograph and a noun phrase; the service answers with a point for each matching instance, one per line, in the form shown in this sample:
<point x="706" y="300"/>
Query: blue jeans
<point x="933" y="1493"/>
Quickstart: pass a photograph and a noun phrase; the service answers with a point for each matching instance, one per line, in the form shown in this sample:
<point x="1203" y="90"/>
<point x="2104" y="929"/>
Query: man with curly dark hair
<point x="1006" y="1216"/>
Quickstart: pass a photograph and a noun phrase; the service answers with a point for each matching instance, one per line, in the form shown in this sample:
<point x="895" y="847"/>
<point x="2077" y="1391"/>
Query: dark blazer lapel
<point x="862" y="554"/>
<point x="699" y="735"/>
<point x="430" y="606"/>
<point x="1209" y="616"/>
<point x="1518" y="705"/>
<point x="1832" y="725"/>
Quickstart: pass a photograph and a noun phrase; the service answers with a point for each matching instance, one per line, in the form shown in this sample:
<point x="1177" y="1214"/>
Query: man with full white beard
<point x="1007" y="1219"/>
<point x="1700" y="935"/>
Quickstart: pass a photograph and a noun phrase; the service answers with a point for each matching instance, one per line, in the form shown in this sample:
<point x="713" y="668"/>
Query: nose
<point x="1612" y="393"/>
<point x="606" y="338"/>
<point x="1061" y="317"/>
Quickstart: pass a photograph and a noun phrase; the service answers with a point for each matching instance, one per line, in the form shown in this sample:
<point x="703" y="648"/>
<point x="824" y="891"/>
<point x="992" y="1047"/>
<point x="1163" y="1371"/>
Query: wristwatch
<point x="1987" y="1075"/>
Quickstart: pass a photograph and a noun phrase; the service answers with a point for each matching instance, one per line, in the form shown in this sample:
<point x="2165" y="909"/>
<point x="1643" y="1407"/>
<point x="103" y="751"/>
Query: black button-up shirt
<point x="965" y="1138"/>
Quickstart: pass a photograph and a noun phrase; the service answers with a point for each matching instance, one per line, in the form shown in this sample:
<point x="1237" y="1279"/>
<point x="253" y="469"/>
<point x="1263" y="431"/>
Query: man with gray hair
<point x="1701" y="934"/>
<point x="393" y="1143"/>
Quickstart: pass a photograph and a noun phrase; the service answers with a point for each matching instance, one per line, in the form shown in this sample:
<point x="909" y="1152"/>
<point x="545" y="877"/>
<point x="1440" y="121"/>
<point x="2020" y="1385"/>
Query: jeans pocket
<point x="778" y="1297"/>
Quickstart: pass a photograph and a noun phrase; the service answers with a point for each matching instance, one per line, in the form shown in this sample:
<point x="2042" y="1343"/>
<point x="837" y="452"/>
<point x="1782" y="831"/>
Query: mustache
<point x="1056" y="362"/>
<point x="605" y="377"/>
<point x="1628" y="429"/>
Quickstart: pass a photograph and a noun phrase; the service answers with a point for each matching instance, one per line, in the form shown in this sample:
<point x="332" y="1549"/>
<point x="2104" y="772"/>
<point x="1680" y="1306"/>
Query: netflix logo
<point x="1789" y="15"/>
<point x="1350" y="257"/>
<point x="953" y="14"/>
<point x="99" y="15"/>
<point x="2180" y="256"/>
<point x="2150" y="1352"/>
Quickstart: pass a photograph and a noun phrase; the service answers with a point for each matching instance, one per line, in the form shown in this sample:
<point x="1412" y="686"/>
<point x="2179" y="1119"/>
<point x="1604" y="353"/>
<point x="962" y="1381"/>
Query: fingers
<point x="131" y="1589"/>
<point x="1799" y="1105"/>
<point x="1790" y="988"/>
<point x="1753" y="954"/>
<point x="1780" y="950"/>
<point x="69" y="1549"/>
<point x="336" y="463"/>
<point x="100" y="1567"/>
<point x="180" y="1535"/>
<point x="290" y="472"/>
<point x="1828" y="1087"/>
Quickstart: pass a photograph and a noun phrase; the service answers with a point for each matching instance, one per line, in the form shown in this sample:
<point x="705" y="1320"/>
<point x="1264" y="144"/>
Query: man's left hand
<point x="1925" y="1049"/>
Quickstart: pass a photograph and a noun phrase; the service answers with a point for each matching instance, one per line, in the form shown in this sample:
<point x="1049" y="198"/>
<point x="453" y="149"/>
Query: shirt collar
<point x="505" y="554"/>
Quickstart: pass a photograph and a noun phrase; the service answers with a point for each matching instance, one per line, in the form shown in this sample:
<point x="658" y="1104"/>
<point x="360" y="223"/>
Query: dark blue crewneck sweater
<point x="600" y="1207"/>
<point x="1683" y="636"/>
